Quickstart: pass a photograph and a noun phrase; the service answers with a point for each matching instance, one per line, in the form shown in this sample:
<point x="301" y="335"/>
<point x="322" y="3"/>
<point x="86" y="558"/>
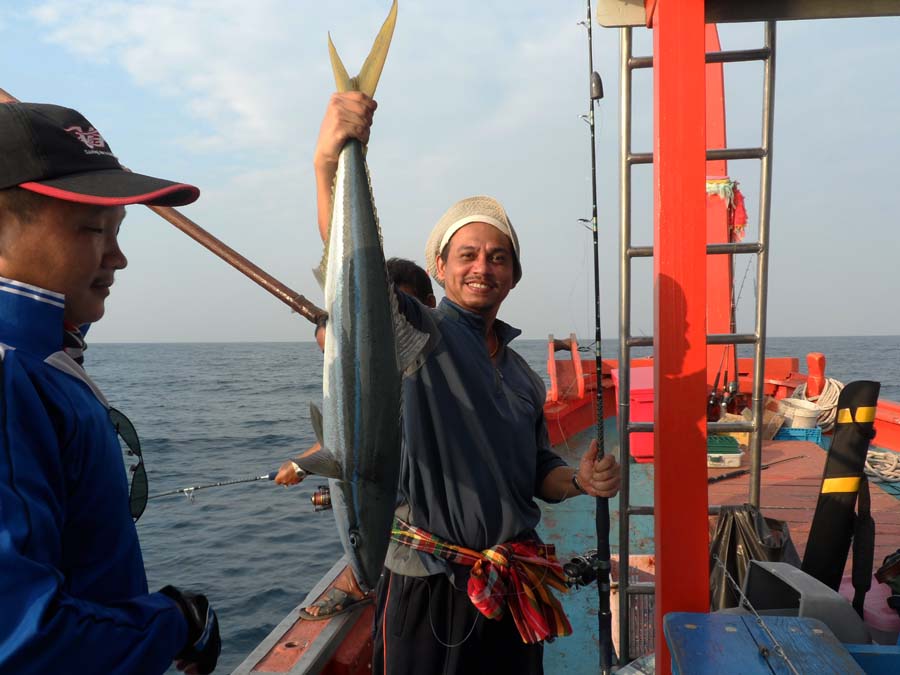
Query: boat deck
<point x="789" y="492"/>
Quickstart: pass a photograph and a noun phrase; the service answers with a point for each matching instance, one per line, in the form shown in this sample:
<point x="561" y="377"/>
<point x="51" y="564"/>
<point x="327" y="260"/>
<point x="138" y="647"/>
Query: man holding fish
<point x="466" y="585"/>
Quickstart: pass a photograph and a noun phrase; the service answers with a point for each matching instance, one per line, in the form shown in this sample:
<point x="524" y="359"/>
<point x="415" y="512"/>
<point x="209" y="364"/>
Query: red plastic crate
<point x="641" y="399"/>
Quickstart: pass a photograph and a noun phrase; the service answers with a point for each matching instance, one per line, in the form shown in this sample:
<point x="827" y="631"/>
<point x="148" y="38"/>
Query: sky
<point x="475" y="98"/>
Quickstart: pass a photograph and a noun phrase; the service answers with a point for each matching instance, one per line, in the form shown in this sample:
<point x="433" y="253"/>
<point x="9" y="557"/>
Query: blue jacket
<point x="73" y="593"/>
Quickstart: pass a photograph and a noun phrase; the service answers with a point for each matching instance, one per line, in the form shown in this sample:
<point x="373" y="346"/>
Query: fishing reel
<point x="321" y="498"/>
<point x="583" y="570"/>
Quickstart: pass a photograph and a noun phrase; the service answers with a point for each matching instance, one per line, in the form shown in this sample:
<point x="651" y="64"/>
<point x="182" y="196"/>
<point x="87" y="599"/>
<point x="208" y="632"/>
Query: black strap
<point x="863" y="546"/>
<point x="74" y="344"/>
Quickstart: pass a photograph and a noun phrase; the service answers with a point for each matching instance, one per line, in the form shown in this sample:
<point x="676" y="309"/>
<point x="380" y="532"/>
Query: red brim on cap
<point x="115" y="187"/>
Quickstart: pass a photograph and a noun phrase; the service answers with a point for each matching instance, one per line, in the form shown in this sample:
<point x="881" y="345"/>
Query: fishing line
<point x="431" y="621"/>
<point x="779" y="650"/>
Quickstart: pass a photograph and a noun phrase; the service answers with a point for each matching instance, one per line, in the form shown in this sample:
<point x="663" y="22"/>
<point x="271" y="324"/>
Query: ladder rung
<point x="648" y="510"/>
<point x="739" y="55"/>
<point x="640" y="341"/>
<point x="639" y="158"/>
<point x="735" y="153"/>
<point x="711" y="249"/>
<point x="720" y="249"/>
<point x="719" y="427"/>
<point x="636" y="62"/>
<point x="638" y="588"/>
<point x="732" y="339"/>
<point x="639" y="426"/>
<point x="730" y="56"/>
<point x="711" y="155"/>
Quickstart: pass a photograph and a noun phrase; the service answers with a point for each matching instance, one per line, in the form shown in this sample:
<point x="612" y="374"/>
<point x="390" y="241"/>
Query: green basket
<point x="722" y="445"/>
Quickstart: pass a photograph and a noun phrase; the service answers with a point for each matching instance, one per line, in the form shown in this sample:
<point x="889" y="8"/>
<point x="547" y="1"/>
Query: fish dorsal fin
<point x="409" y="341"/>
<point x="319" y="461"/>
<point x="320" y="271"/>
<point x="368" y="77"/>
<point x="315" y="416"/>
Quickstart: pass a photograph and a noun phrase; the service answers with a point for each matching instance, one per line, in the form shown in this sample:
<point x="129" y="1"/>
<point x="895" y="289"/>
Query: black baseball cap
<point x="56" y="152"/>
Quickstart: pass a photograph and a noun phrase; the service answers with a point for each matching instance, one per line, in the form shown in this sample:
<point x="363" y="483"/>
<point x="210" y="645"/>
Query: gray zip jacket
<point x="475" y="445"/>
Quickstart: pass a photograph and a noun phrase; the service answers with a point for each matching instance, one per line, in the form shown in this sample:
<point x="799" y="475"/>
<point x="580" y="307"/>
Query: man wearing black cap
<point x="72" y="582"/>
<point x="475" y="456"/>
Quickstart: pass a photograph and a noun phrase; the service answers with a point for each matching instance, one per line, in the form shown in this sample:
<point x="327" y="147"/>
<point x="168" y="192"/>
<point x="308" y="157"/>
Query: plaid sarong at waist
<point x="517" y="574"/>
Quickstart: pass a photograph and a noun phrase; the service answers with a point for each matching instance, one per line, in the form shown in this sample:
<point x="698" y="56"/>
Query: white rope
<point x="827" y="401"/>
<point x="883" y="466"/>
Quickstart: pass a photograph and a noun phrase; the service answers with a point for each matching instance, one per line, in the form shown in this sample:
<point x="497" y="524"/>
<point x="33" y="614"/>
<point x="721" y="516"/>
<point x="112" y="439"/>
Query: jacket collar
<point x="31" y="317"/>
<point x="451" y="310"/>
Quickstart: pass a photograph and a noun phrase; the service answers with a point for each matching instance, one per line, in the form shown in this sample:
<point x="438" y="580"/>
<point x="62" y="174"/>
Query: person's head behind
<point x="412" y="280"/>
<point x="62" y="199"/>
<point x="473" y="252"/>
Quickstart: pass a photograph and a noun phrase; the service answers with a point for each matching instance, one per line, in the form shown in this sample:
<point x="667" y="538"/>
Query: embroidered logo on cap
<point x="91" y="138"/>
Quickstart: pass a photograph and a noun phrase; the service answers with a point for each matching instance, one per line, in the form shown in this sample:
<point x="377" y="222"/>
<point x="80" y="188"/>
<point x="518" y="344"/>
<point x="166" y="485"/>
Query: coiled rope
<point x="884" y="467"/>
<point x="827" y="401"/>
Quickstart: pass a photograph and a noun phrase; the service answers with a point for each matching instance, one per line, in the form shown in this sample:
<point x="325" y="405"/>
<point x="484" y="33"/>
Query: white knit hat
<point x="479" y="209"/>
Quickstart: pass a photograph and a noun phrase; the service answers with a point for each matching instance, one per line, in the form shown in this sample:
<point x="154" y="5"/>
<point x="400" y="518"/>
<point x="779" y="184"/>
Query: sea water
<point x="207" y="413"/>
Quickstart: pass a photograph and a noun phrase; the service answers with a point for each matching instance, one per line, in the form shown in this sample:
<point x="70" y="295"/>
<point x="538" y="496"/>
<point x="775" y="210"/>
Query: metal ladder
<point x="628" y="588"/>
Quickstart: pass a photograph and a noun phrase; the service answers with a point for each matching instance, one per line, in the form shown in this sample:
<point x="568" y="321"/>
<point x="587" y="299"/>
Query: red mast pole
<point x="719" y="268"/>
<point x="679" y="239"/>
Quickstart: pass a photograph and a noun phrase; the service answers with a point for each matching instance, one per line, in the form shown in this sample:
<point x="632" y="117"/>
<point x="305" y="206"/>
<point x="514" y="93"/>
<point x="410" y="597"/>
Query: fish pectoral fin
<point x="368" y="77"/>
<point x="315" y="416"/>
<point x="320" y="462"/>
<point x="409" y="341"/>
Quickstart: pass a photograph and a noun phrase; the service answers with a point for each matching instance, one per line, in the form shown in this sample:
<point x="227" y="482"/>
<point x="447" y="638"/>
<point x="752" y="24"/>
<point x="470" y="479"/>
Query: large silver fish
<point x="367" y="347"/>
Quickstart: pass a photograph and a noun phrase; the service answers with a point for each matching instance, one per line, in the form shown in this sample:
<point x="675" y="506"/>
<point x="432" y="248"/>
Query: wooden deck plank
<point x="789" y="492"/>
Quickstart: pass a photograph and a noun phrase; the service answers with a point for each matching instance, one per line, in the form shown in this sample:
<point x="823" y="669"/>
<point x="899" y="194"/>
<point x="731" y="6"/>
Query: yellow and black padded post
<point x="835" y="523"/>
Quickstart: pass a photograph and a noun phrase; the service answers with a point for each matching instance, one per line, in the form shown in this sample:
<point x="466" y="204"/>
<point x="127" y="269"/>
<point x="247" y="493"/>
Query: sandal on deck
<point x="333" y="602"/>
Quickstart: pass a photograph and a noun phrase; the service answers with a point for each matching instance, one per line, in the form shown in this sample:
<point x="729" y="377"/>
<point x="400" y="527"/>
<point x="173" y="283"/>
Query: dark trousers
<point x="425" y="626"/>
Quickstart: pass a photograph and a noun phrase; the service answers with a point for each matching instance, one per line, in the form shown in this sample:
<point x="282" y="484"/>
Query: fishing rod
<point x="604" y="615"/>
<point x="741" y="472"/>
<point x="288" y="296"/>
<point x="189" y="491"/>
<point x="320" y="499"/>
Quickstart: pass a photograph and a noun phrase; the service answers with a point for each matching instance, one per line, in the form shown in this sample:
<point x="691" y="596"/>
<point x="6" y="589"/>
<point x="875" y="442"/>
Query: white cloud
<point x="476" y="97"/>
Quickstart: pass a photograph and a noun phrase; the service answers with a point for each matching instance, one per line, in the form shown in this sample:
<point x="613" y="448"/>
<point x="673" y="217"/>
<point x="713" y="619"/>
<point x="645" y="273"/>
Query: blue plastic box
<point x="795" y="434"/>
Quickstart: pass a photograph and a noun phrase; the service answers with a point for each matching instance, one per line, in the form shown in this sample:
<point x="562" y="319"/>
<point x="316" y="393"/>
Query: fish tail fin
<point x="341" y="79"/>
<point x="368" y="77"/>
<point x="374" y="63"/>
